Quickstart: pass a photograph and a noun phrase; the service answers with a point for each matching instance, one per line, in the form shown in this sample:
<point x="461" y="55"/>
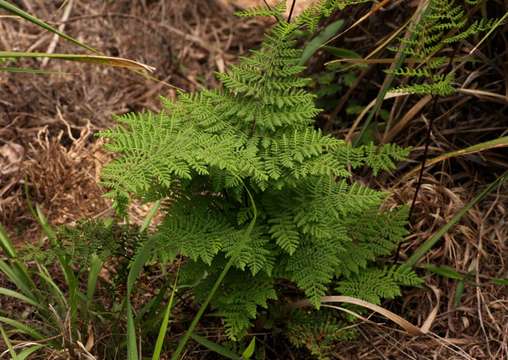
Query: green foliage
<point x="238" y="297"/>
<point x="62" y="287"/>
<point x="55" y="308"/>
<point x="323" y="8"/>
<point x="374" y="284"/>
<point x="107" y="240"/>
<point x="318" y="332"/>
<point x="264" y="11"/>
<point x="215" y="149"/>
<point x="443" y="23"/>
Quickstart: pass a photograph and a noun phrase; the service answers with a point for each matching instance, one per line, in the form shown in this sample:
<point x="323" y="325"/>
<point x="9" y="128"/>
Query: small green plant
<point x="318" y="332"/>
<point x="444" y="23"/>
<point x="258" y="194"/>
<point x="60" y="287"/>
<point x="59" y="309"/>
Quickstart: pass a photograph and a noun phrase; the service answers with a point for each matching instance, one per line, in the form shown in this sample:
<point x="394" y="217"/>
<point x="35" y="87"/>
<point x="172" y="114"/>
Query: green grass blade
<point x="459" y="292"/>
<point x="249" y="350"/>
<point x="91" y="59"/>
<point x="95" y="268"/>
<point x="53" y="288"/>
<point x="23" y="14"/>
<point x="164" y="325"/>
<point x="18" y="275"/>
<point x="219" y="349"/>
<point x="15" y="271"/>
<point x="19" y="296"/>
<point x="6" y="243"/>
<point x="500" y="281"/>
<point x="139" y="261"/>
<point x="320" y="40"/>
<point x="430" y="242"/>
<point x="132" y="347"/>
<point x="7" y="342"/>
<point x="25" y="353"/>
<point x="70" y="278"/>
<point x="22" y="328"/>
<point x="46" y="227"/>
<point x="444" y="271"/>
<point x="149" y="217"/>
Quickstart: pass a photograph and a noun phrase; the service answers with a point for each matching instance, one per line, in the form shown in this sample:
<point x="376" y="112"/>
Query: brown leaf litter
<point x="47" y="122"/>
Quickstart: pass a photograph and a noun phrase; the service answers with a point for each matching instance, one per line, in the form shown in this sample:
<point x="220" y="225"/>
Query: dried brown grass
<point x="187" y="41"/>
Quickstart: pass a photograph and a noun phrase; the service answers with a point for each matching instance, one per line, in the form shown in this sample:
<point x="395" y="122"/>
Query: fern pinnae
<point x="443" y="23"/>
<point x="253" y="142"/>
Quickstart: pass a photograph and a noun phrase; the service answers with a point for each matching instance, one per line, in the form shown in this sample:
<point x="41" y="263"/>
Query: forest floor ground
<point x="47" y="144"/>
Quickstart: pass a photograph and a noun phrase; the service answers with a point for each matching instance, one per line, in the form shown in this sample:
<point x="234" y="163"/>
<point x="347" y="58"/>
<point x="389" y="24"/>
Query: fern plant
<point x="213" y="151"/>
<point x="443" y="23"/>
<point x="318" y="332"/>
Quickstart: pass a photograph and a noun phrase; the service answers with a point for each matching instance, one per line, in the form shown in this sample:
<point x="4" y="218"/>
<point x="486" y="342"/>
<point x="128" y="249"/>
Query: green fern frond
<point x="256" y="253"/>
<point x="318" y="331"/>
<point x="313" y="265"/>
<point x="443" y="23"/>
<point x="311" y="16"/>
<point x="194" y="230"/>
<point x="239" y="297"/>
<point x="374" y="284"/>
<point x="285" y="232"/>
<point x="384" y="158"/>
<point x="253" y="141"/>
<point x="264" y="11"/>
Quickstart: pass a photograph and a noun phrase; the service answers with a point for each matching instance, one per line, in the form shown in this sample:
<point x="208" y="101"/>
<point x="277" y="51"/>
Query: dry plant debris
<point x="186" y="41"/>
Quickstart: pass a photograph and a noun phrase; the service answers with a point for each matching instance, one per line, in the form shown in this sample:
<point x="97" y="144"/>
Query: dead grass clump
<point x="64" y="179"/>
<point x="470" y="323"/>
<point x="187" y="41"/>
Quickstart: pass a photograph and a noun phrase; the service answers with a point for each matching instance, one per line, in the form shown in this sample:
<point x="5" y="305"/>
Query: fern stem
<point x="190" y="330"/>
<point x="270" y="8"/>
<point x="218" y="282"/>
<point x="399" y="60"/>
<point x="428" y="134"/>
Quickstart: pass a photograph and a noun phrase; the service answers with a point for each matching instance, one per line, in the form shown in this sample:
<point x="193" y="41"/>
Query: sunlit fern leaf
<point x="253" y="142"/>
<point x="374" y="284"/>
